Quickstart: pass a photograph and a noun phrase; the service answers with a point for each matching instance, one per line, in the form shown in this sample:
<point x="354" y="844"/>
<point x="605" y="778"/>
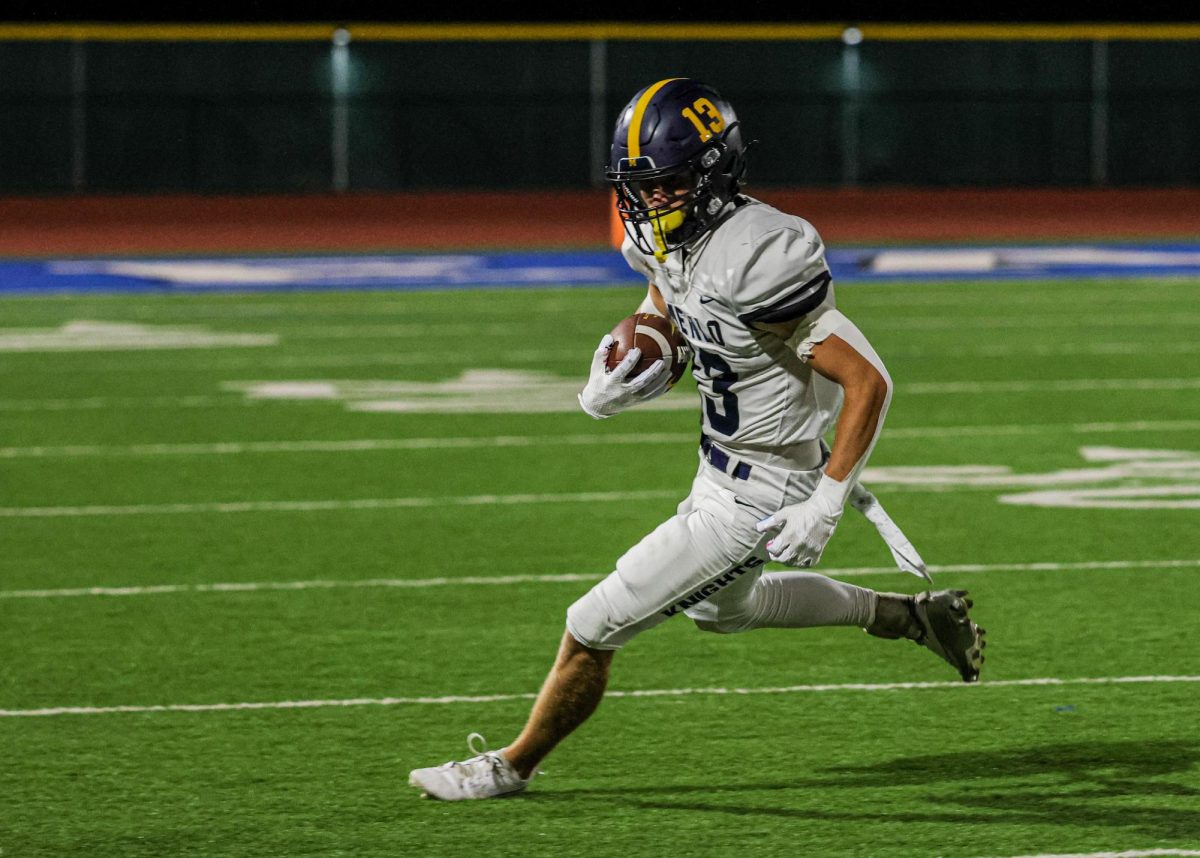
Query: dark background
<point x="266" y="116"/>
<point x="798" y="11"/>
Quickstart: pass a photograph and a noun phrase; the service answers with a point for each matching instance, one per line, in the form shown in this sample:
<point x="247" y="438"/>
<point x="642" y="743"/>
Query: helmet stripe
<point x="635" y="124"/>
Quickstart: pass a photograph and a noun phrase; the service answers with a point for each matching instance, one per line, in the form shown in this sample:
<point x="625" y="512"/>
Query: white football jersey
<point x="758" y="264"/>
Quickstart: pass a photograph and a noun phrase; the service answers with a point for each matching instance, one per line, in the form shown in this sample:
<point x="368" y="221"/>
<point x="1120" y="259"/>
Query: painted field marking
<point x="286" y="330"/>
<point x="1177" y="471"/>
<point x="1139" y="347"/>
<point x="429" y="330"/>
<point x="1129" y="853"/>
<point x="113" y="362"/>
<point x="331" y="505"/>
<point x="1122" y="497"/>
<point x="536" y="391"/>
<point x="1041" y="428"/>
<point x="236" y="400"/>
<point x="89" y="403"/>
<point x="634" y="694"/>
<point x="937" y="323"/>
<point x="360" y="445"/>
<point x="566" y="578"/>
<point x="1067" y="385"/>
<point x="863" y="297"/>
<point x="255" y="586"/>
<point x="91" y="336"/>
<point x="357" y="445"/>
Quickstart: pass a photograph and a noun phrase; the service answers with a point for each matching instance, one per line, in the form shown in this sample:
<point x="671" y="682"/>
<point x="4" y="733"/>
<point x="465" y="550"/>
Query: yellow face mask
<point x="660" y="226"/>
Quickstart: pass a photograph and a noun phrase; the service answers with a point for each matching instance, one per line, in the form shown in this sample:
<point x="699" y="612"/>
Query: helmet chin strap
<point x="660" y="226"/>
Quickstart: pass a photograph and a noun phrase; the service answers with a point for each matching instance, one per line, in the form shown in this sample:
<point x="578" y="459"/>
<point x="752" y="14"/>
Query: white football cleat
<point x="485" y="775"/>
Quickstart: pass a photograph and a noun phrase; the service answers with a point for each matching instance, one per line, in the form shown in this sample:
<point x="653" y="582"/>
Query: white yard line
<point x="356" y="445"/>
<point x="1017" y="429"/>
<point x="432" y="330"/>
<point x="1150" y="346"/>
<point x="640" y="693"/>
<point x="987" y="483"/>
<point x="1026" y="322"/>
<point x="1129" y="853"/>
<point x="1066" y="385"/>
<point x="112" y="363"/>
<point x="938" y="388"/>
<point x="91" y="403"/>
<point x="288" y="329"/>
<point x="566" y="578"/>
<point x="252" y="586"/>
<point x="331" y="505"/>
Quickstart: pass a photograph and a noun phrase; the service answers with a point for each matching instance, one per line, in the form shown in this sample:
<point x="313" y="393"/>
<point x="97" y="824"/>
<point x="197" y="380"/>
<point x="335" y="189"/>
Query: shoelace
<point x="496" y="769"/>
<point x="472" y="766"/>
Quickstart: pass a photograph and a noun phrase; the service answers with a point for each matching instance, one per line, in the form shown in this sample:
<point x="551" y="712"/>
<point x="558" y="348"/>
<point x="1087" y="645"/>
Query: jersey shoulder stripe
<point x="795" y="305"/>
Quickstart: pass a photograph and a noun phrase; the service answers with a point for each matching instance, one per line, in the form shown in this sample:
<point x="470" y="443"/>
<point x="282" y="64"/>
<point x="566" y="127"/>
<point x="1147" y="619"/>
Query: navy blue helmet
<point x="678" y="134"/>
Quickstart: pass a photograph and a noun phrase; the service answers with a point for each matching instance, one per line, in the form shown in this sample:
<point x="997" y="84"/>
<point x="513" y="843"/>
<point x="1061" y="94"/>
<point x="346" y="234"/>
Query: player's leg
<point x="781" y="599"/>
<point x="686" y="557"/>
<point x="569" y="696"/>
<point x="787" y="600"/>
<point x="937" y="620"/>
<point x="692" y="552"/>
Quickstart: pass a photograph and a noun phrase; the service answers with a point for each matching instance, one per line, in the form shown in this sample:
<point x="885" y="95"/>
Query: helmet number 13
<point x="705" y="116"/>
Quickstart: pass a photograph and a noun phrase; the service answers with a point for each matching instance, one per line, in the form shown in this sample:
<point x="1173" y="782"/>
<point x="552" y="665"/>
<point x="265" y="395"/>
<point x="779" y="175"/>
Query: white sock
<point x="795" y="600"/>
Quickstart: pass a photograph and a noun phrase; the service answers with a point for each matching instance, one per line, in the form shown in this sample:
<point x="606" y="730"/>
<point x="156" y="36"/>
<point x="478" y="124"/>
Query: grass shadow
<point x="1097" y="785"/>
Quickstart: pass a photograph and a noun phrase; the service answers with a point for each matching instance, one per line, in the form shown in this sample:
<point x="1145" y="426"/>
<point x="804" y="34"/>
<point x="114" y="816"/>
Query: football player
<point x="777" y="366"/>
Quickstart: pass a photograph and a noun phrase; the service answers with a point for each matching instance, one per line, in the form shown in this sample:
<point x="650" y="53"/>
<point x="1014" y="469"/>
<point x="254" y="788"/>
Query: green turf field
<point x="401" y="577"/>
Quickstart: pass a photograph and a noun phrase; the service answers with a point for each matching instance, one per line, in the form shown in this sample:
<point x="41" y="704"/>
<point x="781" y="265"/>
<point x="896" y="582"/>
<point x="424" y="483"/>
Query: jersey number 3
<point x="726" y="419"/>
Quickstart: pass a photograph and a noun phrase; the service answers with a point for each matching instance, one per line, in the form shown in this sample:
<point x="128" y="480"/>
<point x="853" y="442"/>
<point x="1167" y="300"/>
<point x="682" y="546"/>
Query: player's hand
<point x="610" y="392"/>
<point x="804" y="529"/>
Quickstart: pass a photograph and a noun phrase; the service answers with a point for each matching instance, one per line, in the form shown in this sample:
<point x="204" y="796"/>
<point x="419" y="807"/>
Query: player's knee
<point x="725" y="623"/>
<point x="732" y="611"/>
<point x="591" y="621"/>
<point x="584" y="625"/>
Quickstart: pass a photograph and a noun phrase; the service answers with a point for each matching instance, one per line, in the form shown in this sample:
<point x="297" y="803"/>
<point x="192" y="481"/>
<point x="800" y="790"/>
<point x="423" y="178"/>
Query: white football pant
<point x="706" y="562"/>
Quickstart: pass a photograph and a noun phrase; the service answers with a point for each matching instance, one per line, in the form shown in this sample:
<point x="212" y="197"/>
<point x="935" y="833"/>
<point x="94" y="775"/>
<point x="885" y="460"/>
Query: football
<point x="657" y="337"/>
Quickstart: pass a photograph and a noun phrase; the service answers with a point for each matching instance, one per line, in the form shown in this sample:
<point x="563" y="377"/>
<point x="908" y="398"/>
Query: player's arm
<point x="867" y="393"/>
<point x="847" y="359"/>
<point x="866" y="386"/>
<point x="610" y="392"/>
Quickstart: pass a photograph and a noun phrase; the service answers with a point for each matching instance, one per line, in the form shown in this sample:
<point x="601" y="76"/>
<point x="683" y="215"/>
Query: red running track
<point x="360" y="222"/>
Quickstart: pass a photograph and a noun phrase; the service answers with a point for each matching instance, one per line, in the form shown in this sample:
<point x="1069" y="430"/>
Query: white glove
<point x="805" y="527"/>
<point x="608" y="393"/>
